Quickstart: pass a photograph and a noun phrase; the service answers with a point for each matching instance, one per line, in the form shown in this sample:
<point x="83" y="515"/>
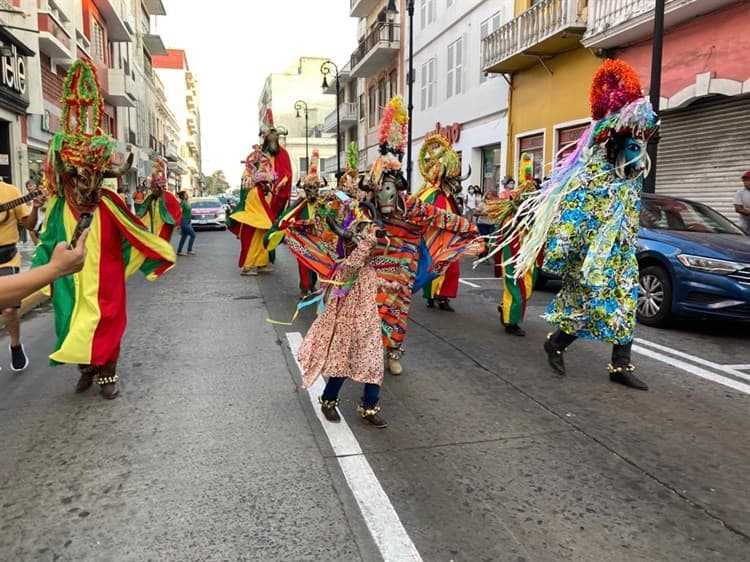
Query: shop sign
<point x="13" y="73"/>
<point x="451" y="132"/>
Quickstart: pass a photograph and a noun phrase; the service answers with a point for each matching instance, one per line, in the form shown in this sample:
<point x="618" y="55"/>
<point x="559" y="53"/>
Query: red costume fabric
<point x="282" y="189"/>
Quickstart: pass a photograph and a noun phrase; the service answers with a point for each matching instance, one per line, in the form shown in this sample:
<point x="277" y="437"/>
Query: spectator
<point x="508" y="183"/>
<point x="64" y="261"/>
<point x="473" y="198"/>
<point x="742" y="203"/>
<point x="186" y="226"/>
<point x="484" y="222"/>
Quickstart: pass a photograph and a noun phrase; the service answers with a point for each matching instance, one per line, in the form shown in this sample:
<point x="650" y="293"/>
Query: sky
<point x="233" y="45"/>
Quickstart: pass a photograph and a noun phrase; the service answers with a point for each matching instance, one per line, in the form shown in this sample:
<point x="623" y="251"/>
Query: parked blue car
<point x="693" y="261"/>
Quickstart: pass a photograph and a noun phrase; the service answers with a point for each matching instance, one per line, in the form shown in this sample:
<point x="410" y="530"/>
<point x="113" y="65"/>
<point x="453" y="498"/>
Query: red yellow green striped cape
<point x="90" y="306"/>
<point x="300" y="210"/>
<point x="161" y="214"/>
<point x="445" y="285"/>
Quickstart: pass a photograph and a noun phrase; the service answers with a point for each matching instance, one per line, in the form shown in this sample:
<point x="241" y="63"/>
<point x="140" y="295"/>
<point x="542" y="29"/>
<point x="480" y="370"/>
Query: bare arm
<point x="63" y="262"/>
<point x="742" y="210"/>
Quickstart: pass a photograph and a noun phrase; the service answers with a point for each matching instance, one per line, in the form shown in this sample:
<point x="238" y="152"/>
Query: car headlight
<point x="711" y="265"/>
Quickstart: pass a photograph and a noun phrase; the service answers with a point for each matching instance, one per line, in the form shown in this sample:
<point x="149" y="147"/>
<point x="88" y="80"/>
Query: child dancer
<point x="344" y="341"/>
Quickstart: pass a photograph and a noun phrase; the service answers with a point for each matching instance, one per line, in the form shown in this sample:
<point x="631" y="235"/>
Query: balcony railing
<point x="54" y="40"/>
<point x="614" y="23"/>
<point x="376" y="50"/>
<point x="548" y="28"/>
<point x="348" y="115"/>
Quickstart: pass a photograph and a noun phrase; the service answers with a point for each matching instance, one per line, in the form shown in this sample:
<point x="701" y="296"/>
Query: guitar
<point x="5" y="208"/>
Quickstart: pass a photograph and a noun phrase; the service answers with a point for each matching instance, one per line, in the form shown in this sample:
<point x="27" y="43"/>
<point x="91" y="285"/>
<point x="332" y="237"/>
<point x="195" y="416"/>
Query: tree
<point x="216" y="183"/>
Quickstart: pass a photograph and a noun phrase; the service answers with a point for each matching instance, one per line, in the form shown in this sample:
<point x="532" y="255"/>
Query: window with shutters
<point x="428" y="85"/>
<point x="454" y="81"/>
<point x="382" y="100"/>
<point x="372" y="107"/>
<point x="487" y="27"/>
<point x="393" y="83"/>
<point x="427" y="12"/>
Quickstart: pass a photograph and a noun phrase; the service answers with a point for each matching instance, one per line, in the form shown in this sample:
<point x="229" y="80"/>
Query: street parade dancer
<point x="344" y="341"/>
<point x="302" y="209"/>
<point x="516" y="291"/>
<point x="420" y="237"/>
<point x="280" y="163"/>
<point x="440" y="167"/>
<point x="253" y="215"/>
<point x="161" y="210"/>
<point x="90" y="306"/>
<point x="587" y="215"/>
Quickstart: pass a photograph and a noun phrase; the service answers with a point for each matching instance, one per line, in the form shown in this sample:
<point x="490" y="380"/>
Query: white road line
<point x="744" y="367"/>
<point x="697" y="371"/>
<point x="382" y="520"/>
<point x="482" y="278"/>
<point x="699" y="360"/>
<point x="465" y="282"/>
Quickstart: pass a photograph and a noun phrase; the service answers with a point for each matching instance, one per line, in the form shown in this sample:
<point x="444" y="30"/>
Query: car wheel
<point x="654" y="296"/>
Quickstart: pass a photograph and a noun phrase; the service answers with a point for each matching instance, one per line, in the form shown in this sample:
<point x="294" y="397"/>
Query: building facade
<point x="183" y="147"/>
<point x="550" y="74"/>
<point x="40" y="40"/>
<point x="453" y="95"/>
<point x="705" y="89"/>
<point x="281" y="92"/>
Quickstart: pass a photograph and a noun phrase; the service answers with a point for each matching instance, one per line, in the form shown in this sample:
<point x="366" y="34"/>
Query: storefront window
<point x="36" y="163"/>
<point x="530" y="160"/>
<point x="490" y="167"/>
<point x="567" y="139"/>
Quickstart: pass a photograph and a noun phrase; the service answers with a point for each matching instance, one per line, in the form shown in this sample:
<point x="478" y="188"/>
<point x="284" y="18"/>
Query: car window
<point x="205" y="204"/>
<point x="678" y="214"/>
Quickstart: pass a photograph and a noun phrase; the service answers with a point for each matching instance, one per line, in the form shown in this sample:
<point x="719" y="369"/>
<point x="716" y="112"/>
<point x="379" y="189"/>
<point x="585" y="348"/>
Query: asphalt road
<point x="212" y="452"/>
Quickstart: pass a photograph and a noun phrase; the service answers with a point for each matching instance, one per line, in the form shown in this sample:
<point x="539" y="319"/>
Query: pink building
<point x="705" y="89"/>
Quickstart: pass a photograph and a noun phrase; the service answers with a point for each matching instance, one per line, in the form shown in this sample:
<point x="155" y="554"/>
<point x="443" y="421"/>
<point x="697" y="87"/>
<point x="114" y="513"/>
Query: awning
<point x="7" y="37"/>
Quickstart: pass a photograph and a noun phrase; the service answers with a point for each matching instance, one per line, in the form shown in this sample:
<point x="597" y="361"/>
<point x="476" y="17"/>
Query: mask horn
<point x="336" y="228"/>
<point x="118" y="172"/>
<point x="375" y="218"/>
<point x="325" y="182"/>
<point x="299" y="182"/>
<point x="466" y="177"/>
<point x="362" y="185"/>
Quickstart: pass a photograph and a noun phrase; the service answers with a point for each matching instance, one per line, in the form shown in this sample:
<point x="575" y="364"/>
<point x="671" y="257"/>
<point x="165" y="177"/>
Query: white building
<point x="451" y="90"/>
<point x="301" y="82"/>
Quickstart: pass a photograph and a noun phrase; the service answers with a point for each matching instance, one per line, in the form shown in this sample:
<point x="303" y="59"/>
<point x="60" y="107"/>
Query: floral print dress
<point x="592" y="247"/>
<point x="344" y="341"/>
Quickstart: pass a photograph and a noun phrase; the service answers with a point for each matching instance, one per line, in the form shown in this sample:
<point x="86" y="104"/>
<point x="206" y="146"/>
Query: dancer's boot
<point x="556" y="344"/>
<point x="621" y="369"/>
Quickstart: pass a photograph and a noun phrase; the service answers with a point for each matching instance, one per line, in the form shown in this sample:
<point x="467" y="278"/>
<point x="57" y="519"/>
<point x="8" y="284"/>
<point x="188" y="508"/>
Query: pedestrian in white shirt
<point x="742" y="203"/>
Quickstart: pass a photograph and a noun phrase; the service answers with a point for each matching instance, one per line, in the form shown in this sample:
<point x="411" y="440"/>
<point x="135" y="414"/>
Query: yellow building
<point x="550" y="73"/>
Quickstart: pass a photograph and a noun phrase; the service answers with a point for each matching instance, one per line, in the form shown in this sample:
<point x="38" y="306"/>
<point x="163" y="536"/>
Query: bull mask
<point x="86" y="181"/>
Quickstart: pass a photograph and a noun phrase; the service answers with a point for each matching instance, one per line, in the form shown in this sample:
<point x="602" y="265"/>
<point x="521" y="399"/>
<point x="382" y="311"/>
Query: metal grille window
<point x="428" y="85"/>
<point x="454" y="80"/>
<point x="98" y="43"/>
<point x="487" y="27"/>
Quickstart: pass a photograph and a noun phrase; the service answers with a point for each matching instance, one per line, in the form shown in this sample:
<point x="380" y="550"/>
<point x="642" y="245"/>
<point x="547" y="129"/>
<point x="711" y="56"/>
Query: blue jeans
<point x="187" y="231"/>
<point x="334" y="384"/>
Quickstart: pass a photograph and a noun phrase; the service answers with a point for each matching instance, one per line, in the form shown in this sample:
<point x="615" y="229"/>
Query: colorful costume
<point x="516" y="291"/>
<point x="587" y="214"/>
<point x="303" y="209"/>
<point x="253" y="216"/>
<point x="422" y="240"/>
<point x="280" y="163"/>
<point x="441" y="169"/>
<point x="90" y="307"/>
<point x="161" y="210"/>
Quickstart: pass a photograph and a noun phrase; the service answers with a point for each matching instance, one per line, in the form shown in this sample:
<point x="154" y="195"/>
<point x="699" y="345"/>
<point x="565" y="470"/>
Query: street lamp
<point x="392" y="12"/>
<point x="325" y="69"/>
<point x="649" y="183"/>
<point x="299" y="104"/>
